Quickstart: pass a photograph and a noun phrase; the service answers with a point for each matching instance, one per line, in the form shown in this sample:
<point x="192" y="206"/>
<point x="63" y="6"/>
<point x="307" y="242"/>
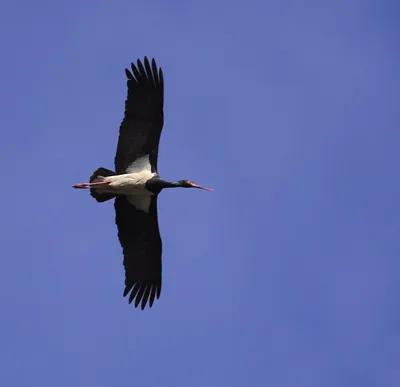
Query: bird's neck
<point x="156" y="185"/>
<point x="171" y="184"/>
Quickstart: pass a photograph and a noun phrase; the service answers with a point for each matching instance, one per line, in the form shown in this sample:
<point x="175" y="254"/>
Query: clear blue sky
<point x="287" y="275"/>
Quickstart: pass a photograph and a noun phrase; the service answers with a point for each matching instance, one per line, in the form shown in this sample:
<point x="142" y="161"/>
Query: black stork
<point x="136" y="184"/>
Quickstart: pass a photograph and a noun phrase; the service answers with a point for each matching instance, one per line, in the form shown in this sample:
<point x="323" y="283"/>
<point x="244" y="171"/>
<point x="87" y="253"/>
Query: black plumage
<point x="135" y="184"/>
<point x="139" y="135"/>
<point x="139" y="235"/>
<point x="140" y="130"/>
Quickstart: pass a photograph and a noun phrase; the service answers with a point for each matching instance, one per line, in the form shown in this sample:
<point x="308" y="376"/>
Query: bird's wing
<point x="141" y="243"/>
<point x="140" y="130"/>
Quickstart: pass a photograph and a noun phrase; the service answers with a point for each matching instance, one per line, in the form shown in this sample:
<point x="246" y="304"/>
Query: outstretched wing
<point x="140" y="130"/>
<point x="141" y="243"/>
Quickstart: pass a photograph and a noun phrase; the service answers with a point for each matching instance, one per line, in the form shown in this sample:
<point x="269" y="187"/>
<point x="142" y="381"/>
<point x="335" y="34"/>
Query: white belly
<point x="130" y="183"/>
<point x="133" y="184"/>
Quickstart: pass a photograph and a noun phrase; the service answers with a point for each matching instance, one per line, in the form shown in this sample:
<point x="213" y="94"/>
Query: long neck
<point x="156" y="185"/>
<point x="171" y="184"/>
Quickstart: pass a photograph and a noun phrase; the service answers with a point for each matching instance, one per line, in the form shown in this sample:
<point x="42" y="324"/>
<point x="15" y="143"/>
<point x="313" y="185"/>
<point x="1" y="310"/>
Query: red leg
<point x="92" y="185"/>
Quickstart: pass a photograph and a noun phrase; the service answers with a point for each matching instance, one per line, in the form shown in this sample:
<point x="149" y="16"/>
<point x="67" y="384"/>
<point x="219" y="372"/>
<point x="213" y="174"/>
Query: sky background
<point x="287" y="275"/>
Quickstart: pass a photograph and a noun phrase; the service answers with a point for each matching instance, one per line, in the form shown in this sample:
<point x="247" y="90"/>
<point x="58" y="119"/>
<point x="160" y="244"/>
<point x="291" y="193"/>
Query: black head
<point x="156" y="185"/>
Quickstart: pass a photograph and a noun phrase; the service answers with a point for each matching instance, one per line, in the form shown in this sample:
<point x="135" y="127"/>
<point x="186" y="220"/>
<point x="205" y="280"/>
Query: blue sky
<point x="286" y="275"/>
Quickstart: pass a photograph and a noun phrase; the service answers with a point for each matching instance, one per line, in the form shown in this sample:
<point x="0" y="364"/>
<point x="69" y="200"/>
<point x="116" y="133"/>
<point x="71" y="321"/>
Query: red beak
<point x="199" y="186"/>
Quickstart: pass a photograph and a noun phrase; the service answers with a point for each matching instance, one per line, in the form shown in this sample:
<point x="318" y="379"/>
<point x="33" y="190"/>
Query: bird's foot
<point x="92" y="185"/>
<point x="81" y="185"/>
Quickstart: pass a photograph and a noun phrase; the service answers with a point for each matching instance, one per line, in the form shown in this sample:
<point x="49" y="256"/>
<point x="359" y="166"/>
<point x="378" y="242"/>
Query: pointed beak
<point x="199" y="186"/>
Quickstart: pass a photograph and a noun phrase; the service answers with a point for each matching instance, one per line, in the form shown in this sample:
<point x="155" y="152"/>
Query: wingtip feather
<point x="143" y="295"/>
<point x="141" y="69"/>
<point x="134" y="292"/>
<point x="128" y="74"/>
<point x="139" y="295"/>
<point x="146" y="296"/>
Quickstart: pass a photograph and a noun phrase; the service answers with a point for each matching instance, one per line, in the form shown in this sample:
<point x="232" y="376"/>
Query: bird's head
<point x="190" y="184"/>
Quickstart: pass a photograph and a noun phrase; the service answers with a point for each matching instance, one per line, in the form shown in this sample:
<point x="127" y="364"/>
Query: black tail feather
<point x="101" y="172"/>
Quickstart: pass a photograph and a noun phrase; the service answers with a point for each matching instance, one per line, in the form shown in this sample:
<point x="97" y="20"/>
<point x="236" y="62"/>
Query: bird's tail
<point x="98" y="175"/>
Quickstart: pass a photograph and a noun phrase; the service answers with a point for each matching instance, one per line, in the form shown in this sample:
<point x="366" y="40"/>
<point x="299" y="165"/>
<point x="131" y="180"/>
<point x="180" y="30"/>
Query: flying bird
<point x="136" y="184"/>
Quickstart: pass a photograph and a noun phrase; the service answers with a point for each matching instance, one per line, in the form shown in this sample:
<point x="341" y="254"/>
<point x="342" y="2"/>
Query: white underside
<point x="132" y="184"/>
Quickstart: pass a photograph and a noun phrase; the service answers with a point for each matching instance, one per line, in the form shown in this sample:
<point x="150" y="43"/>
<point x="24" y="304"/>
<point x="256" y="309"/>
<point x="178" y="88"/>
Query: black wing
<point x="140" y="130"/>
<point x="140" y="239"/>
